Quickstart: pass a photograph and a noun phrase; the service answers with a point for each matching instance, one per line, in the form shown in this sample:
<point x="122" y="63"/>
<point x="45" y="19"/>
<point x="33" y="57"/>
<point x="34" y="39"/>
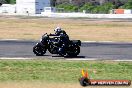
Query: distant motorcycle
<point x="54" y="45"/>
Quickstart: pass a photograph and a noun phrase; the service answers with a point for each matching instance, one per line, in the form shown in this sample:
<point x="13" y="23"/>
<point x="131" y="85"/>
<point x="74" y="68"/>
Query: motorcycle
<point x="54" y="45"/>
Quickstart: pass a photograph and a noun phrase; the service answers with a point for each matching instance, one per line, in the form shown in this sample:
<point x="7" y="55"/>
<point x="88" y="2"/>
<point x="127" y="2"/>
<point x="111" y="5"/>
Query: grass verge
<point x="50" y="85"/>
<point x="60" y="71"/>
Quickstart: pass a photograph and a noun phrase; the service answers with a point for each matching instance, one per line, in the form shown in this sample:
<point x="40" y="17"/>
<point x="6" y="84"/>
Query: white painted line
<point x="12" y="58"/>
<point x="105" y="42"/>
<point x="82" y="41"/>
<point x="9" y="39"/>
<point x="97" y="59"/>
<point x="77" y="59"/>
<point x="123" y="60"/>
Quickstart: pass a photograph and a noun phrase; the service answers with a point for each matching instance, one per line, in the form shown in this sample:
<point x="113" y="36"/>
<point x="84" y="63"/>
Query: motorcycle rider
<point x="64" y="39"/>
<point x="61" y="33"/>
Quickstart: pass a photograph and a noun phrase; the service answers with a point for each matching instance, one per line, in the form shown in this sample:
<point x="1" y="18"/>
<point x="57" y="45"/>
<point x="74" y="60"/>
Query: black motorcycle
<point x="55" y="45"/>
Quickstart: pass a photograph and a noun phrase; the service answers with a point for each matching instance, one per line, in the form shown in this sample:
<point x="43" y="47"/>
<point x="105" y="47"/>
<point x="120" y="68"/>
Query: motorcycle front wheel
<point x="74" y="51"/>
<point x="39" y="50"/>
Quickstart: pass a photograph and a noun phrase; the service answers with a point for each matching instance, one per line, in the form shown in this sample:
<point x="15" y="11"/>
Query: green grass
<point x="61" y="70"/>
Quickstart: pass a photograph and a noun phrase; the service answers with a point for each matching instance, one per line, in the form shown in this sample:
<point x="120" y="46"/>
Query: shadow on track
<point x="71" y="57"/>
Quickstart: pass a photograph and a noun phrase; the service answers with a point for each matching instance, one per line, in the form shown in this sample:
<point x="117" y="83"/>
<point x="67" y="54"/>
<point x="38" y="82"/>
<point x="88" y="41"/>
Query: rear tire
<point x="39" y="50"/>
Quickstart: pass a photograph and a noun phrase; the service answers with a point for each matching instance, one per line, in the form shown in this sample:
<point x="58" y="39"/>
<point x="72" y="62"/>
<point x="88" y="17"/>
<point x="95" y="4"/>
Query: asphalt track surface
<point x="91" y="50"/>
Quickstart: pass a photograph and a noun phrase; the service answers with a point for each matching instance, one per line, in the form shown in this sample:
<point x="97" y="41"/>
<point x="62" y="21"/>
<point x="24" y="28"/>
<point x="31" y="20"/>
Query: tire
<point x="84" y="82"/>
<point x="75" y="50"/>
<point x="39" y="50"/>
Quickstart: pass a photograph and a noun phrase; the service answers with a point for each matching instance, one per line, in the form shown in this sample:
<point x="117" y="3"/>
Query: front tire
<point x="74" y="51"/>
<point x="39" y="50"/>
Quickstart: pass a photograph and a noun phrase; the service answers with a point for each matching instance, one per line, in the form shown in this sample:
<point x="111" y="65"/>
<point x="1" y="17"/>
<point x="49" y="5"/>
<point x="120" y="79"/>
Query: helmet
<point x="58" y="29"/>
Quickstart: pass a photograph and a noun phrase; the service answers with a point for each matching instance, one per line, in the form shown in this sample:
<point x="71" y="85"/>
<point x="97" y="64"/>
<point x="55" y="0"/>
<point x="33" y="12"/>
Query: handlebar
<point x="51" y="35"/>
